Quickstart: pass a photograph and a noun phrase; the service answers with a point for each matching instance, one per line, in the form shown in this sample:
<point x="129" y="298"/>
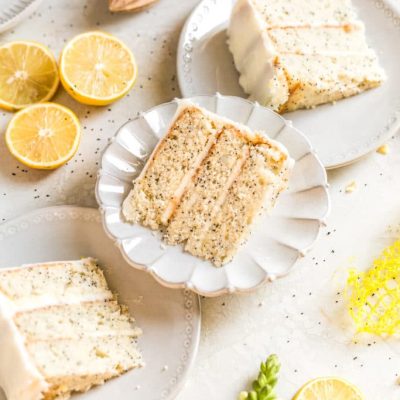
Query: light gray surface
<point x="311" y="333"/>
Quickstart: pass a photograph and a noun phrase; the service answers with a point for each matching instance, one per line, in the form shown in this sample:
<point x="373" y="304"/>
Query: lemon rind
<point x="300" y="393"/>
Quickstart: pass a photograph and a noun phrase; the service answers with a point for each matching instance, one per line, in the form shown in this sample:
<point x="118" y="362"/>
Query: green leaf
<point x="264" y="385"/>
<point x="262" y="379"/>
<point x="272" y="381"/>
<point x="256" y="386"/>
<point x="253" y="395"/>
<point x="263" y="367"/>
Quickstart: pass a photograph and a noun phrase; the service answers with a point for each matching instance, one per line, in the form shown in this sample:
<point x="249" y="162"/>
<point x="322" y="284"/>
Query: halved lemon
<point x="43" y="136"/>
<point x="96" y="68"/>
<point x="28" y="75"/>
<point x="329" y="389"/>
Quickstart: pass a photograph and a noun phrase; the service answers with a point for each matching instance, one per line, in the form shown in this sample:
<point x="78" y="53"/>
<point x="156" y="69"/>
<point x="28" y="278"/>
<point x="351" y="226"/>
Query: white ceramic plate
<point x="14" y="11"/>
<point x="170" y="319"/>
<point x="276" y="242"/>
<point x="340" y="134"/>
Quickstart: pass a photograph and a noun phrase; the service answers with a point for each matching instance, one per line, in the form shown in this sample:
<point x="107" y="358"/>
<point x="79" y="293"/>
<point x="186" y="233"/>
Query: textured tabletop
<point x="303" y="317"/>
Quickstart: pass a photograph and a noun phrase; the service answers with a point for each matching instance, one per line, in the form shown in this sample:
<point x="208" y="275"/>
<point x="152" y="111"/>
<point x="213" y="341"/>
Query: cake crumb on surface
<point x="351" y="187"/>
<point x="384" y="149"/>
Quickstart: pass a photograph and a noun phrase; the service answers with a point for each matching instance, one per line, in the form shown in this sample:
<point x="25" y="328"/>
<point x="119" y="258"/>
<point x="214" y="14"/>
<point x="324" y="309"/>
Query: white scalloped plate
<point x="276" y="242"/>
<point x="170" y="319"/>
<point x="14" y="11"/>
<point x="341" y="134"/>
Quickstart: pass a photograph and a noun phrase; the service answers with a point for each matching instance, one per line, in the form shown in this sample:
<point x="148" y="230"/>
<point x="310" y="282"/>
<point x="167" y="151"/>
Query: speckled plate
<point x="14" y="11"/>
<point x="276" y="242"/>
<point x="341" y="134"/>
<point x="170" y="319"/>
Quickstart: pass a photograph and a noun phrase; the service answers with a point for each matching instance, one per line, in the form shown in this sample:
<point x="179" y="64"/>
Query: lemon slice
<point x="43" y="136"/>
<point x="97" y="69"/>
<point x="328" y="389"/>
<point x="28" y="74"/>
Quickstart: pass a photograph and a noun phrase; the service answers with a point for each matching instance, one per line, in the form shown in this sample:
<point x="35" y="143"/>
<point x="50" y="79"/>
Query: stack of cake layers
<point x="295" y="54"/>
<point x="206" y="182"/>
<point x="61" y="331"/>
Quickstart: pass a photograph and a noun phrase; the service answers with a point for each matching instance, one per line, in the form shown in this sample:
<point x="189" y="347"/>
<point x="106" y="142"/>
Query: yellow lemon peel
<point x="374" y="295"/>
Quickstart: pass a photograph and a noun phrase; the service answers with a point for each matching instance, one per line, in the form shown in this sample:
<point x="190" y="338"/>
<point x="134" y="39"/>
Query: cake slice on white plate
<point x="206" y="182"/>
<point x="61" y="330"/>
<point x="294" y="54"/>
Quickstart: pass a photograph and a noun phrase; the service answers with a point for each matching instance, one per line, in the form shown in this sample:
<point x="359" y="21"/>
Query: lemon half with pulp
<point x="28" y="74"/>
<point x="43" y="136"/>
<point x="97" y="69"/>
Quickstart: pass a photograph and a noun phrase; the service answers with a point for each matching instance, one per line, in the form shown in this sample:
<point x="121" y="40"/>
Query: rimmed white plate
<point x="170" y="319"/>
<point x="14" y="11"/>
<point x="342" y="133"/>
<point x="276" y="242"/>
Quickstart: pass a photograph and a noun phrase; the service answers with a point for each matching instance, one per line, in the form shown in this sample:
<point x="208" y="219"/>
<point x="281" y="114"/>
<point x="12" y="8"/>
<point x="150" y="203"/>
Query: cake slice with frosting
<point x="62" y="331"/>
<point x="206" y="182"/>
<point x="171" y="168"/>
<point x="294" y="54"/>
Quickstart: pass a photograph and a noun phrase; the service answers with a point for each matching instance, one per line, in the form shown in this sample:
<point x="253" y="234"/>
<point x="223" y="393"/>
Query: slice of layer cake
<point x="294" y="54"/>
<point x="257" y="186"/>
<point x="62" y="330"/>
<point x="170" y="168"/>
<point x="236" y="174"/>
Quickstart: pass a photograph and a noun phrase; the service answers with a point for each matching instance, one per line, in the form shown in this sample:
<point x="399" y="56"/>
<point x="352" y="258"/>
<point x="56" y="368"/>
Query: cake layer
<point x="320" y="40"/>
<point x="326" y="79"/>
<point x="256" y="187"/>
<point x="170" y="169"/>
<point x="40" y="285"/>
<point x="76" y="365"/>
<point x="209" y="188"/>
<point x="290" y="53"/>
<point x="61" y="330"/>
<point x="277" y="13"/>
<point x="99" y="318"/>
<point x="207" y="193"/>
<point x="89" y="355"/>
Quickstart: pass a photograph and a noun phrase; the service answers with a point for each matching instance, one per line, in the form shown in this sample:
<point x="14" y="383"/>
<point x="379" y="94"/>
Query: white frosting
<point x="52" y="300"/>
<point x="82" y="261"/>
<point x="253" y="53"/>
<point x="269" y="55"/>
<point x="19" y="377"/>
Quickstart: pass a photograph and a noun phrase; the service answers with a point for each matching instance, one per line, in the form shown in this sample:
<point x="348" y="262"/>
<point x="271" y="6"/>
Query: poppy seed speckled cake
<point x="61" y="331"/>
<point x="206" y="182"/>
<point x="294" y="54"/>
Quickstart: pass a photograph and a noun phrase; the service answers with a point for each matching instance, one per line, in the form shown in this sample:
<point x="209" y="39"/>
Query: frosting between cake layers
<point x="19" y="377"/>
<point x="289" y="63"/>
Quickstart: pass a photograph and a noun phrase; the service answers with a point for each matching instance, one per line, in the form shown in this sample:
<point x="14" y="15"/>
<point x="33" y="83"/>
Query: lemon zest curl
<point x="374" y="295"/>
